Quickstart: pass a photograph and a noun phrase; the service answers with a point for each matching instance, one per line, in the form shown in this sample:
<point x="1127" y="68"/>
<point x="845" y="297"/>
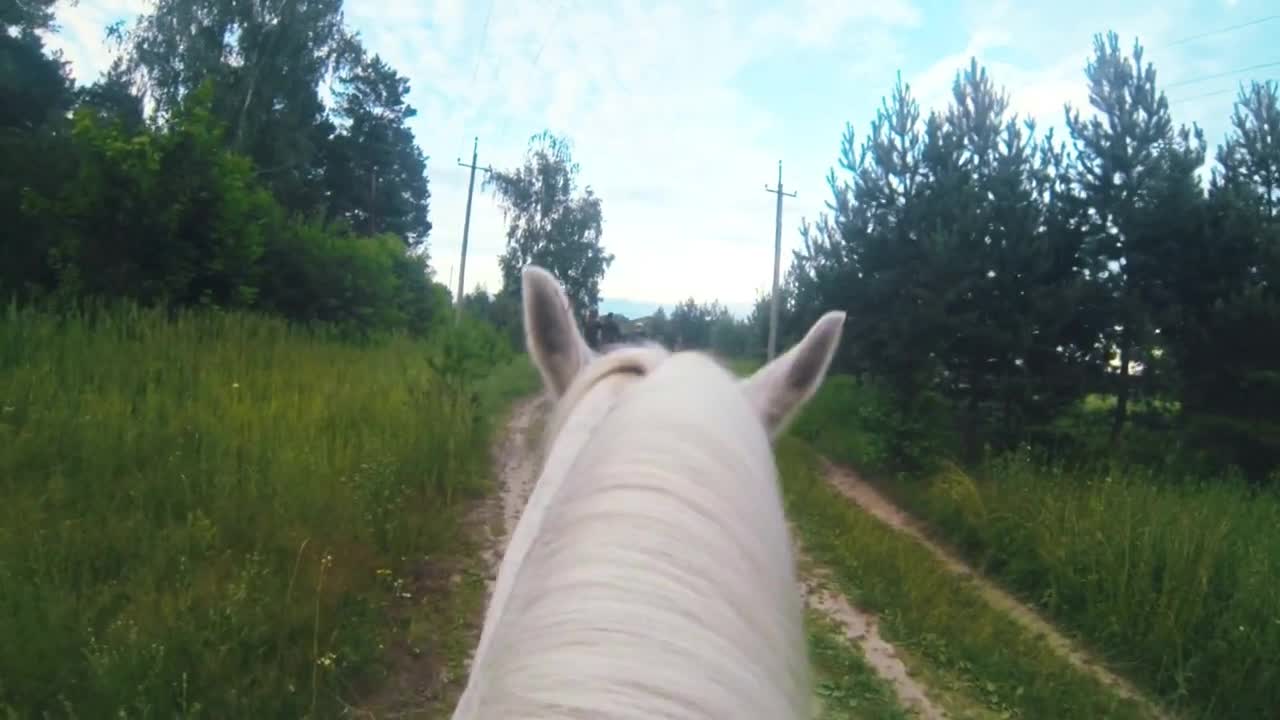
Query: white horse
<point x="651" y="573"/>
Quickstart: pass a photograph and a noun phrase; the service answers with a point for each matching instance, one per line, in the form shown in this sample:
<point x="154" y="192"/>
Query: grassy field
<point x="207" y="516"/>
<point x="1175" y="579"/>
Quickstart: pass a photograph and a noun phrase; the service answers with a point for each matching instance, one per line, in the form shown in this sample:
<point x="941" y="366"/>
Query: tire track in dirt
<point x="876" y="504"/>
<point x="515" y="460"/>
<point x="862" y="629"/>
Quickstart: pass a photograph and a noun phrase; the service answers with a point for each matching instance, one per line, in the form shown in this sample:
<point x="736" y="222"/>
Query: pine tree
<point x="375" y="174"/>
<point x="868" y="258"/>
<point x="1136" y="174"/>
<point x="1228" y="340"/>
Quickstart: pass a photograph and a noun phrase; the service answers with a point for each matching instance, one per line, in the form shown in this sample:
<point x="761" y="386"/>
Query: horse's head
<point x="574" y="375"/>
<point x="653" y="549"/>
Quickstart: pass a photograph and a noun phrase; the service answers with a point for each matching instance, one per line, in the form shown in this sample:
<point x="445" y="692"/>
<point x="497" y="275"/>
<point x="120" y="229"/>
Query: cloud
<point x="677" y="151"/>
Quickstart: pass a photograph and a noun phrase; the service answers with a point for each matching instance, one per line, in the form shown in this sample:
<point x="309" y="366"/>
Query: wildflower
<point x="326" y="661"/>
<point x="235" y="385"/>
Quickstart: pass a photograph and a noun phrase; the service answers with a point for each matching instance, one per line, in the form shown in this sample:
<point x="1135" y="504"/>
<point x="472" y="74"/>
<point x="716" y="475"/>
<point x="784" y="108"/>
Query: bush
<point x="857" y="421"/>
<point x="170" y="217"/>
<point x="159" y="217"/>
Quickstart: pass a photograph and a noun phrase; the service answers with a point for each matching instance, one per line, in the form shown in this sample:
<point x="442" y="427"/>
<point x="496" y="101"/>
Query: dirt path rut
<point x="873" y="502"/>
<point x="516" y="461"/>
<point x="862" y="629"/>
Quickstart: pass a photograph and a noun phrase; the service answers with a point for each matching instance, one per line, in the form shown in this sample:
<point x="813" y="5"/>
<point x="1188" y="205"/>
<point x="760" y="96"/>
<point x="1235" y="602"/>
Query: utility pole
<point x="466" y="224"/>
<point x="777" y="259"/>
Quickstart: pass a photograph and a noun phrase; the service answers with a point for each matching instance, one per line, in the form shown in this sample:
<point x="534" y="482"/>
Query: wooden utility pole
<point x="466" y="223"/>
<point x="777" y="259"/>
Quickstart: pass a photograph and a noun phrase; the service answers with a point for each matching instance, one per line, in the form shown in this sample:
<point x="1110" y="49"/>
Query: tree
<point x="1005" y="263"/>
<point x="375" y="174"/>
<point x="36" y="93"/>
<point x="1228" y="341"/>
<point x="35" y="87"/>
<point x="23" y="15"/>
<point x="1138" y="181"/>
<point x="266" y="60"/>
<point x="869" y="256"/>
<point x="167" y="217"/>
<point x="112" y="99"/>
<point x="550" y="224"/>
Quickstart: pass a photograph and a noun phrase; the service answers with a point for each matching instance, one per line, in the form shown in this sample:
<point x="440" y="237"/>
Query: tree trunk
<point x="971" y="436"/>
<point x="1122" y="393"/>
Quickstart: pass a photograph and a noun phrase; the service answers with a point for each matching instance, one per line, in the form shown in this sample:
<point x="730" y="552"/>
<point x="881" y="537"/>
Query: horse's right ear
<point x="778" y="390"/>
<point x="551" y="334"/>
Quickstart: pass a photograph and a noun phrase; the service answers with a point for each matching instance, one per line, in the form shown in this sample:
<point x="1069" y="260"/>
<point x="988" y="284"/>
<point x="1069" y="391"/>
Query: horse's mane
<point x="636" y="359"/>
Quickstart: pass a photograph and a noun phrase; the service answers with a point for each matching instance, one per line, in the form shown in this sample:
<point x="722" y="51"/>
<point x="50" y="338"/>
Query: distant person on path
<point x="593" y="329"/>
<point x="610" y="333"/>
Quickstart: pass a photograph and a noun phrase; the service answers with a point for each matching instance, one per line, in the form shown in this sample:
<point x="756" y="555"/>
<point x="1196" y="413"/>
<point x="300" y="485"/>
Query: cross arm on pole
<point x="486" y="168"/>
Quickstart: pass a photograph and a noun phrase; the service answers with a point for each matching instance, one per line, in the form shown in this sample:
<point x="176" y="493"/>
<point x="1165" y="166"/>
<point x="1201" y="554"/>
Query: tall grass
<point x="1180" y="581"/>
<point x="200" y="512"/>
<point x="1175" y="578"/>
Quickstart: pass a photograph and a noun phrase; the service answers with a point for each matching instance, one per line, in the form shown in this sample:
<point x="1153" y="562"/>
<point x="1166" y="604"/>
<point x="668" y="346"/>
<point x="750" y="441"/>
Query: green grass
<point x="929" y="610"/>
<point x="1180" y="582"/>
<point x="508" y="381"/>
<point x="847" y="687"/>
<point x="203" y="514"/>
<point x="743" y="367"/>
<point x="1175" y="579"/>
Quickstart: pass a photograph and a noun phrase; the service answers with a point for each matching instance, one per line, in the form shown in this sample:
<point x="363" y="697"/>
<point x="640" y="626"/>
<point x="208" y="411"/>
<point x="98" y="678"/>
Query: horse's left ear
<point x="551" y="334"/>
<point x="778" y="390"/>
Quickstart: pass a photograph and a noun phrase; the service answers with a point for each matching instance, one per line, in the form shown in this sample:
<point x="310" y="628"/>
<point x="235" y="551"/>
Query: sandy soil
<point x="862" y="629"/>
<point x="516" y="460"/>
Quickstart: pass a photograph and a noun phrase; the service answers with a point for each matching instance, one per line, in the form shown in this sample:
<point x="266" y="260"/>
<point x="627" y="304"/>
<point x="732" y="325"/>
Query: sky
<point x="679" y="111"/>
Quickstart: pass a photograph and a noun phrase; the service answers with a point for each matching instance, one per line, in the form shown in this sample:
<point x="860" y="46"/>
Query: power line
<point x="1214" y="93"/>
<point x="470" y="99"/>
<point x="473" y="165"/>
<point x="542" y="44"/>
<point x="484" y="38"/>
<point x="1215" y="76"/>
<point x="1211" y="33"/>
<point x="545" y="35"/>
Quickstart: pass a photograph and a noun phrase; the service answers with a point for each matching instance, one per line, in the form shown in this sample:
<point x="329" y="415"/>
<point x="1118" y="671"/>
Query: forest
<point x="1062" y="355"/>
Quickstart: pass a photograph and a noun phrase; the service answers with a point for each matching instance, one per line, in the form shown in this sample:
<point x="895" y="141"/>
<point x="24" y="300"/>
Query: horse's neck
<point x="571" y="431"/>
<point x="661" y="583"/>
